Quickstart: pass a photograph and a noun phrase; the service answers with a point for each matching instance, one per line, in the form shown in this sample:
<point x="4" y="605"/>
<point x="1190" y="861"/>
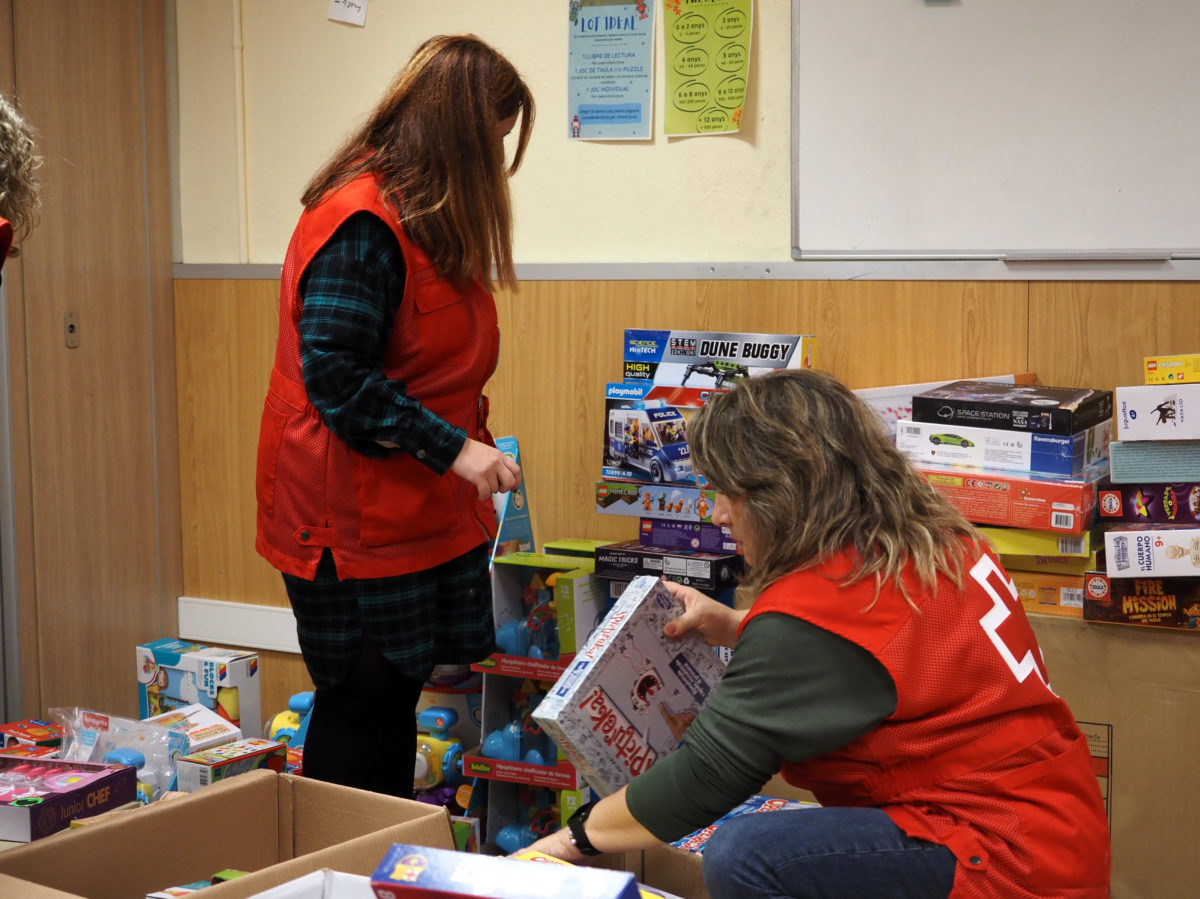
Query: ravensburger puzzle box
<point x="628" y="696"/>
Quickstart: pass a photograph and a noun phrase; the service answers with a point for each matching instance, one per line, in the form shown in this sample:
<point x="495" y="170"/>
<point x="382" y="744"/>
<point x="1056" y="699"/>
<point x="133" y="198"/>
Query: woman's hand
<point x="716" y="622"/>
<point x="557" y="845"/>
<point x="487" y="468"/>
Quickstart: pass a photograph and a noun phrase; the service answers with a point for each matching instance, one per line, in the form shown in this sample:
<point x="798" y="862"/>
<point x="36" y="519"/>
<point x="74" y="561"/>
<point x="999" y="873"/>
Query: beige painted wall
<point x="267" y="89"/>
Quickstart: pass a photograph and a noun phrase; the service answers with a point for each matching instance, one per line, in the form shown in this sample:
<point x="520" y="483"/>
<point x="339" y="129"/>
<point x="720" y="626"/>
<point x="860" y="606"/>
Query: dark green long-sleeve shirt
<point x="792" y="691"/>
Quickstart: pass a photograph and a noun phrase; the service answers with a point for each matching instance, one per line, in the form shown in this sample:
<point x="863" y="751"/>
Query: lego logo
<point x="1152" y="366"/>
<point x="1097" y="587"/>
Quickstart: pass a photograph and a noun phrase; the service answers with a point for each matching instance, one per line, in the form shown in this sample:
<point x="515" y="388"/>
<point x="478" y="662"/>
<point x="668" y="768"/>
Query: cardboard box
<point x="175" y="673"/>
<point x="1171" y="369"/>
<point x="573" y="546"/>
<point x="984" y="404"/>
<point x="323" y="884"/>
<point x="1072" y="565"/>
<point x="694" y="535"/>
<point x="414" y="871"/>
<point x="1028" y="542"/>
<point x="1158" y="412"/>
<point x="628" y="696"/>
<point x="514" y="527"/>
<point x="1170" y="602"/>
<point x="686" y="367"/>
<point x="1151" y="461"/>
<point x="893" y="403"/>
<point x="645" y="441"/>
<point x="1069" y="456"/>
<point x="1136" y="694"/>
<point x="1020" y="501"/>
<point x="668" y="502"/>
<point x="202" y="727"/>
<point x="204" y="768"/>
<point x="1150" y="502"/>
<point x="277" y="826"/>
<point x="1050" y="594"/>
<point x="702" y="570"/>
<point x="1159" y="550"/>
<point x="66" y="791"/>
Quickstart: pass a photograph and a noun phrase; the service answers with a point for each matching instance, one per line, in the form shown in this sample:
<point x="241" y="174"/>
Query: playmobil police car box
<point x="631" y="692"/>
<point x="645" y="440"/>
<point x="175" y="673"/>
<point x="685" y="367"/>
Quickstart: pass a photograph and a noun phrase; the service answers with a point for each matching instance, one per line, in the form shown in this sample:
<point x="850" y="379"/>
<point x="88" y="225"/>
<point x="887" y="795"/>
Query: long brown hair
<point x="19" y="160"/>
<point x="434" y="142"/>
<point x="819" y="475"/>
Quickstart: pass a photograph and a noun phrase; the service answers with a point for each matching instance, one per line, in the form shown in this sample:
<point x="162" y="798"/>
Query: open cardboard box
<point x="277" y="826"/>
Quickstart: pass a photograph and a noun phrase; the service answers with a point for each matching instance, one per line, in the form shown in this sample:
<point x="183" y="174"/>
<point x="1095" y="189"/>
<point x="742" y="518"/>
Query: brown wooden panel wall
<point x="561" y="343"/>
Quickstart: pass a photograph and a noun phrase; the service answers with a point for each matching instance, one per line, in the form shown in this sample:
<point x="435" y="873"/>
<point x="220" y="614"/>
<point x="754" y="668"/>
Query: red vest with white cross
<point x="980" y="755"/>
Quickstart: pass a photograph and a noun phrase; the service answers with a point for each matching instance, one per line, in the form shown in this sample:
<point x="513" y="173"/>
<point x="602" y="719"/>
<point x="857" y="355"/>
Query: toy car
<point x="936" y="439"/>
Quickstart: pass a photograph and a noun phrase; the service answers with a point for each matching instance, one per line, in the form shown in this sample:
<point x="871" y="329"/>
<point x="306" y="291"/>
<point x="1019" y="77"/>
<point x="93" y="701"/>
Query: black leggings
<point x="363" y="732"/>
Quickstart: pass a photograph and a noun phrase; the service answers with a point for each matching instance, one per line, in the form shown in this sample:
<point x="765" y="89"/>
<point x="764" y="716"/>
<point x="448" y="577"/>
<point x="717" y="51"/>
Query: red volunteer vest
<point x="980" y="755"/>
<point x="379" y="517"/>
<point x="6" y="236"/>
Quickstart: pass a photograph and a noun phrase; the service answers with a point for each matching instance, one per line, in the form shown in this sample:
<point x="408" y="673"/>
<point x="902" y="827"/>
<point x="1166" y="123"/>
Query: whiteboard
<point x="1012" y="129"/>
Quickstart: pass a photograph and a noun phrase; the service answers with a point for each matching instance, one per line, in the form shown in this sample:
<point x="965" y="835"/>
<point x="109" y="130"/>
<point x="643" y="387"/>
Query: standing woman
<point x="19" y="199"/>
<point x="375" y="463"/>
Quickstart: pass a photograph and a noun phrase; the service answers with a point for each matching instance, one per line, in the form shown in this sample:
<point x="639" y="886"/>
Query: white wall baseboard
<point x="236" y="624"/>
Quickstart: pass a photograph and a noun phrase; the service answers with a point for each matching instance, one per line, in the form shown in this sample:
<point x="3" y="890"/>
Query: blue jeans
<point x="823" y="852"/>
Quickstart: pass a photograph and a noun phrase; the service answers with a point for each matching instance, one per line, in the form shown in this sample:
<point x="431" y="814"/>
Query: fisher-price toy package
<point x="631" y="692"/>
<point x="176" y="673"/>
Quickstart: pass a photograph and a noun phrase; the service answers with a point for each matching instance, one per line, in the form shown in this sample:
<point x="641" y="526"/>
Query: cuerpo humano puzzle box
<point x="630" y="693"/>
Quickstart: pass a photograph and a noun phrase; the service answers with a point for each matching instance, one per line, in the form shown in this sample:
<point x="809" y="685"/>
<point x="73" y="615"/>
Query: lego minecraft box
<point x="631" y="692"/>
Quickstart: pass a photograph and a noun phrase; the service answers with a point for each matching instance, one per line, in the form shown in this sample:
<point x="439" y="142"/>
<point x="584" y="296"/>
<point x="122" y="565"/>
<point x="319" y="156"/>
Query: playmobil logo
<point x="625" y="391"/>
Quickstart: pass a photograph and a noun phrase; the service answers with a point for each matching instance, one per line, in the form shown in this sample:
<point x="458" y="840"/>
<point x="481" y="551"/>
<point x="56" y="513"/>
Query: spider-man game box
<point x="629" y="695"/>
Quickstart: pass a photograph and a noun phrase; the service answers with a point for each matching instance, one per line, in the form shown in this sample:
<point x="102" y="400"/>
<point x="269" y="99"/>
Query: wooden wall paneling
<point x="1096" y="333"/>
<point x="26" y="694"/>
<point x="92" y="415"/>
<point x="225" y="332"/>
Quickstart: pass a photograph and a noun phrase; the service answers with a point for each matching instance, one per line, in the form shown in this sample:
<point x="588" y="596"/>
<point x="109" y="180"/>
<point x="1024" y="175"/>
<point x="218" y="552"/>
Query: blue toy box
<point x="172" y="674"/>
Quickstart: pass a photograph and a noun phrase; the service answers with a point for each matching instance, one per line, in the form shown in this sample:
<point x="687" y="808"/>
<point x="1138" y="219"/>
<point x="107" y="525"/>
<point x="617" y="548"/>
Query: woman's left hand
<point x="557" y="845"/>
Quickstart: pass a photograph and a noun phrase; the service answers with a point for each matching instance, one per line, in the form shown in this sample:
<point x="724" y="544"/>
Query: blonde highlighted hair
<point x="434" y="143"/>
<point x="820" y="475"/>
<point x="19" y="160"/>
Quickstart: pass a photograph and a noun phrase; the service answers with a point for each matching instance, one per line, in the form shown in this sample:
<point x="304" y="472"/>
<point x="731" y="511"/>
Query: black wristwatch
<point x="578" y="835"/>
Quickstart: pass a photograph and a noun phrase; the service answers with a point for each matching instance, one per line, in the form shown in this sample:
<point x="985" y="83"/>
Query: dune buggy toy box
<point x="630" y="693"/>
<point x="685" y="367"/>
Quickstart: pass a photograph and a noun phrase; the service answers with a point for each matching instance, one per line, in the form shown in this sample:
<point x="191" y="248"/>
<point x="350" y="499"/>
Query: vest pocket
<point x="401" y="500"/>
<point x="270" y="439"/>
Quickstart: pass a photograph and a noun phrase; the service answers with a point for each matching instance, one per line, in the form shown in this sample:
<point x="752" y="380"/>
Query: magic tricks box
<point x="1022" y="501"/>
<point x="687" y="367"/>
<point x="628" y="697"/>
<point x="1158" y="412"/>
<point x="1150" y="502"/>
<point x="1171" y="602"/>
<point x="1159" y="550"/>
<point x="702" y="570"/>
<point x="986" y="404"/>
<point x="937" y="443"/>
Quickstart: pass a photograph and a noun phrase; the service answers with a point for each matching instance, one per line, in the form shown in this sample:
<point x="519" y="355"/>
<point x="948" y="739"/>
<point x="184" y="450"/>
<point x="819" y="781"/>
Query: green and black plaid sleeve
<point x="351" y="292"/>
